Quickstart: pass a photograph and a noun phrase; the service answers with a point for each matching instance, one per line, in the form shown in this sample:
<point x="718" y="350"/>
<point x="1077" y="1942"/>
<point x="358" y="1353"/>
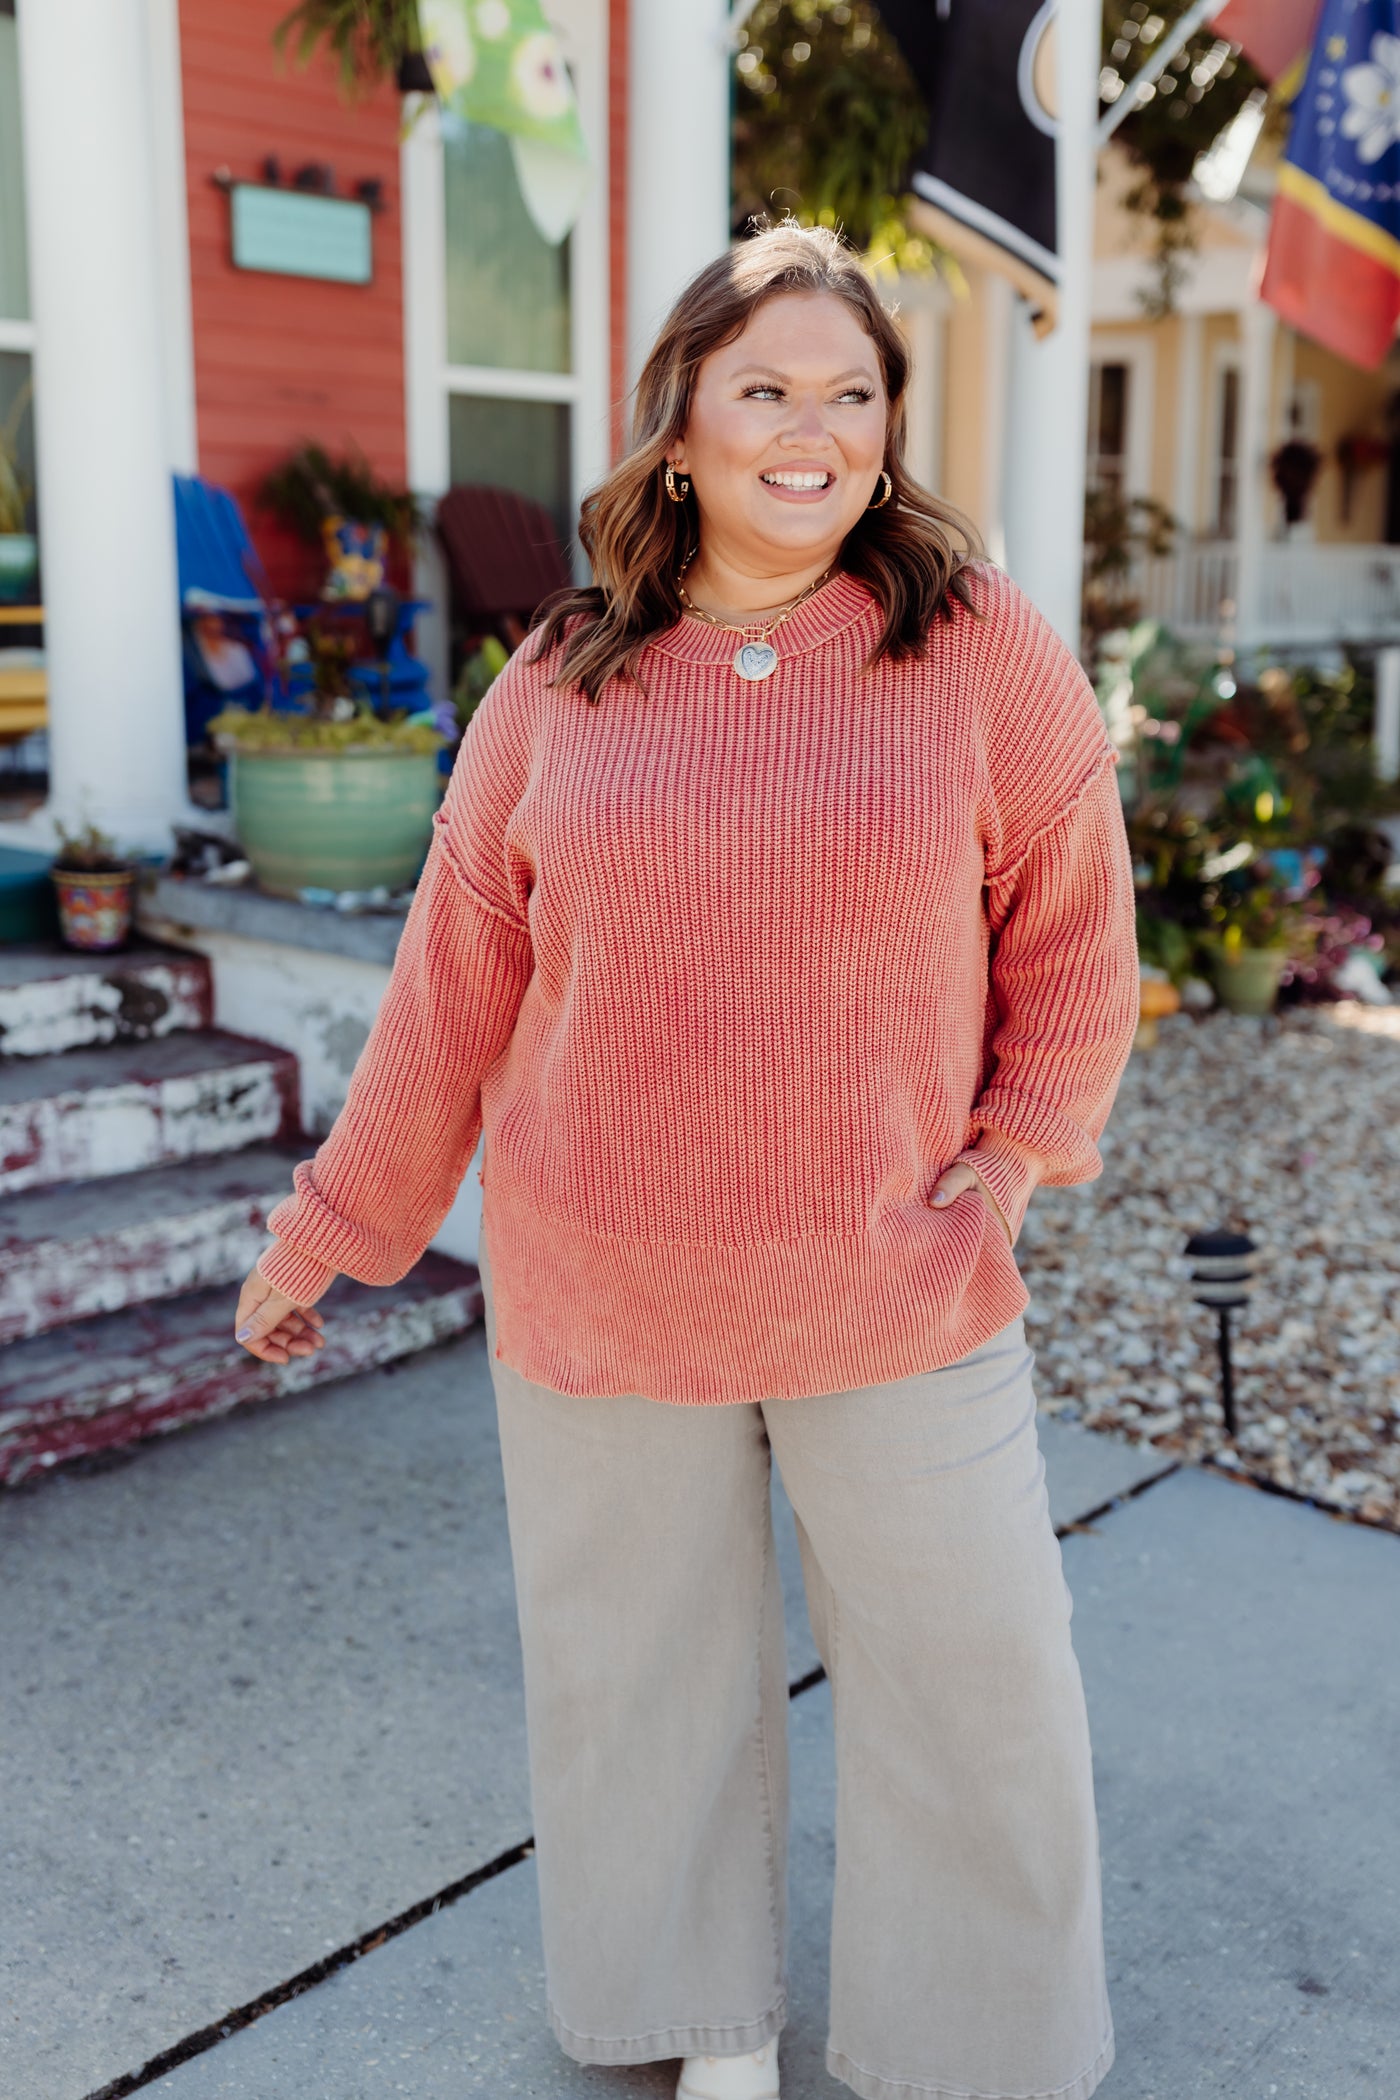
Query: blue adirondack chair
<point x="223" y="605"/>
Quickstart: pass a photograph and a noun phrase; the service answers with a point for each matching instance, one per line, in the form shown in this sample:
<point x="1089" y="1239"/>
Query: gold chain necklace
<point x="755" y="656"/>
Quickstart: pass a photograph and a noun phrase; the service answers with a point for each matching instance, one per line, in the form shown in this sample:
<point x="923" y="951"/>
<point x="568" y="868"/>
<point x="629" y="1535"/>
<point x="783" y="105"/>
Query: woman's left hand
<point x="958" y="1179"/>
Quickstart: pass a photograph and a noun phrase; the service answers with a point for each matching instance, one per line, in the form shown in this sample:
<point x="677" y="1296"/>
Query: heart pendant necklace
<point x="755" y="658"/>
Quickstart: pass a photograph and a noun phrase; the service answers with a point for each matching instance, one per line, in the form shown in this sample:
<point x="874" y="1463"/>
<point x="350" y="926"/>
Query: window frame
<point x="431" y="381"/>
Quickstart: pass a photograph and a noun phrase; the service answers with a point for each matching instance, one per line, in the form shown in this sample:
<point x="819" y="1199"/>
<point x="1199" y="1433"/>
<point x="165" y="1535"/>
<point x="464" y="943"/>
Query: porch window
<point x="1227" y="454"/>
<point x="14" y="258"/>
<point x="1108" y="428"/>
<point x="511" y="388"/>
<point x="16" y="328"/>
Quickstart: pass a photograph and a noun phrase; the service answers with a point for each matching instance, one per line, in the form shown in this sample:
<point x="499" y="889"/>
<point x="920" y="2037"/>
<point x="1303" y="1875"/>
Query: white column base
<point x="139" y="832"/>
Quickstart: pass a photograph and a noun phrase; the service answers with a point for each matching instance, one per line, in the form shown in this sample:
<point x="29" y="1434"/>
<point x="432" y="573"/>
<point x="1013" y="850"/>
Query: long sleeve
<point x="384" y="1179"/>
<point x="1063" y="992"/>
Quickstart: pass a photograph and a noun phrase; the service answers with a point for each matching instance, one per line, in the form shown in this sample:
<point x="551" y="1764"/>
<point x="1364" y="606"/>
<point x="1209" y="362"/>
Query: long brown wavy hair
<point x="910" y="553"/>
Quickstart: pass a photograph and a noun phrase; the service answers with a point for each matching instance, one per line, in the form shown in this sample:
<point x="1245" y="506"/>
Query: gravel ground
<point x="1287" y="1129"/>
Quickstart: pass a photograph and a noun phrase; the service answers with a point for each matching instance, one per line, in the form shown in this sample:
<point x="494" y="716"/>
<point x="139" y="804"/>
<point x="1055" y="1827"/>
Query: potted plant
<point x="342" y="507"/>
<point x="370" y="41"/>
<point x="19" y="550"/>
<point x="1256" y="931"/>
<point x="95" y="885"/>
<point x="336" y="797"/>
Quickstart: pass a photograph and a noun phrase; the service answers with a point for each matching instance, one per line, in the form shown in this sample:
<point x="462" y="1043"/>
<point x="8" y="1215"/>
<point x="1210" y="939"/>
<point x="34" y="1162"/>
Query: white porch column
<point x="1386" y="730"/>
<point x="1048" y="406"/>
<point x="1186" y="476"/>
<point x="116" y="722"/>
<point x="678" y="155"/>
<point x="1258" y="329"/>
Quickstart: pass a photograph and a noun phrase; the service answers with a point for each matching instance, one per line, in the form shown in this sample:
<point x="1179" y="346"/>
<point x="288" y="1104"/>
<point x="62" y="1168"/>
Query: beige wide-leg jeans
<point x="966" y="1943"/>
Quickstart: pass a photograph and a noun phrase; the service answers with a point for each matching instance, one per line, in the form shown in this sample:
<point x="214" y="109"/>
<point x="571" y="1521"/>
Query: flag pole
<point x="1048" y="378"/>
<point x="1179" y="34"/>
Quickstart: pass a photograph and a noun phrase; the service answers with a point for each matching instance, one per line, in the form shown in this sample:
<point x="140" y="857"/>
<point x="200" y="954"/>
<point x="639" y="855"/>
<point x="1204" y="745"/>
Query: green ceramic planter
<point x="1246" y="979"/>
<point x="334" y="820"/>
<point x="19" y="565"/>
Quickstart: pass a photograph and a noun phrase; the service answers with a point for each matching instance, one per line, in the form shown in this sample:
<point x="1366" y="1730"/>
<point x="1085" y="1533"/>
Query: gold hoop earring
<point x="889" y="491"/>
<point x="677" y="493"/>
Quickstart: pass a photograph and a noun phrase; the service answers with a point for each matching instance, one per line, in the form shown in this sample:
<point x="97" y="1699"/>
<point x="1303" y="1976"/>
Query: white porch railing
<point x="1309" y="594"/>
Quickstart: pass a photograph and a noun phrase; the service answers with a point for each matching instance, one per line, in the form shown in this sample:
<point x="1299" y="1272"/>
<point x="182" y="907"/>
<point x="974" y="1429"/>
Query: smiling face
<point x="786" y="437"/>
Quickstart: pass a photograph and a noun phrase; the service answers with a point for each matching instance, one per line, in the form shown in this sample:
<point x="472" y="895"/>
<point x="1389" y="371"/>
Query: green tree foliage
<point x="366" y="39"/>
<point x="827" y="117"/>
<point x="1202" y="89"/>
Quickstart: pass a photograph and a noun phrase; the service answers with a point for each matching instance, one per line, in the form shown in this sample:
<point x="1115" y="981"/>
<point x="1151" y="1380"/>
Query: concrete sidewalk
<point x="263" y="1699"/>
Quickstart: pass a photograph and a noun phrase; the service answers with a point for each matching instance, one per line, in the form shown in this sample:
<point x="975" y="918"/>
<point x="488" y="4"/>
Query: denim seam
<point x="1080" y="2086"/>
<point x="657" y="2043"/>
<point x="765" y="1764"/>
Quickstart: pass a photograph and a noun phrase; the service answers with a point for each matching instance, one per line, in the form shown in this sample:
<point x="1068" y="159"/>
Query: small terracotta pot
<point x="1157" y="998"/>
<point x="94" y="911"/>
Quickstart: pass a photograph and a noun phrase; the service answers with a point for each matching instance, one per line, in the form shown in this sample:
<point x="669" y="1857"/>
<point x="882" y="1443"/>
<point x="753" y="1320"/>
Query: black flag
<point x="985" y="175"/>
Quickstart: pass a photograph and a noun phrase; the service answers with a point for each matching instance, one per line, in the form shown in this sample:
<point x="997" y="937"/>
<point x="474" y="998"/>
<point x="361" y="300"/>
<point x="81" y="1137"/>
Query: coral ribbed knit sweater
<point x="731" y="973"/>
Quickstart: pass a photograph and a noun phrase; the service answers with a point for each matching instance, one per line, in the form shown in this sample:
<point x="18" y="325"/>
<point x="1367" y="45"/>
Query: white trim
<point x="430" y="381"/>
<point x="1041" y="117"/>
<point x="1186" y="471"/>
<point x="1218" y="280"/>
<point x="987" y="223"/>
<point x="502" y="385"/>
<point x="17" y="335"/>
<point x="925" y="321"/>
<point x="999" y="302"/>
<point x="583" y="30"/>
<point x="1139" y="354"/>
<point x="172" y="234"/>
<point x="422" y="212"/>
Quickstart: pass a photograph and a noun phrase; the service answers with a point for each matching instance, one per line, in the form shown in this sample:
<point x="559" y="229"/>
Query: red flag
<point x="1333" y="267"/>
<point x="1273" y="33"/>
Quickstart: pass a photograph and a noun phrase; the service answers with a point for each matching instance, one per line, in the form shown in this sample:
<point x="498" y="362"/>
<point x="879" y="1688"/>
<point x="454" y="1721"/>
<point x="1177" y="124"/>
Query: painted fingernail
<point x="243" y="1333"/>
<point x="940" y="1197"/>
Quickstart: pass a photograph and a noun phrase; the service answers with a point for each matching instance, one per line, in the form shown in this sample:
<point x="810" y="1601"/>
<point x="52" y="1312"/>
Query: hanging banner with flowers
<point x="498" y="62"/>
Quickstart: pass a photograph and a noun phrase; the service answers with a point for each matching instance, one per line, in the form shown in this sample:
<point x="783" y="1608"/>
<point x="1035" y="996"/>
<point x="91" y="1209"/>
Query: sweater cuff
<point x="298" y="1276"/>
<point x="1008" y="1172"/>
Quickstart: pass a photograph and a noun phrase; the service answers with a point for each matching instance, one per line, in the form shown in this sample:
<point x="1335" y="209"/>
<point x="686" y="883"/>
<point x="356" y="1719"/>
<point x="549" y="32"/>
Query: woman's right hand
<point x="272" y="1326"/>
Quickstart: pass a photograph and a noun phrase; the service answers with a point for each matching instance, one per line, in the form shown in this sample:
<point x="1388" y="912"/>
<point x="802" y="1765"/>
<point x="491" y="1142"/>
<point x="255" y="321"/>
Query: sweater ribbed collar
<point x="837" y="605"/>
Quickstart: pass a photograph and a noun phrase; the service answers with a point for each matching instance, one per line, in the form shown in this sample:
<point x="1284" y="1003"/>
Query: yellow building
<point x="1191" y="410"/>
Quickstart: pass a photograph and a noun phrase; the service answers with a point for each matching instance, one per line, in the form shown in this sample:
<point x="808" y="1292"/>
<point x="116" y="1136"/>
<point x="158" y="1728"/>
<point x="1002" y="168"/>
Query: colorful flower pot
<point x="94" y="911"/>
<point x="19" y="565"/>
<point x="334" y="820"/>
<point x="1247" y="979"/>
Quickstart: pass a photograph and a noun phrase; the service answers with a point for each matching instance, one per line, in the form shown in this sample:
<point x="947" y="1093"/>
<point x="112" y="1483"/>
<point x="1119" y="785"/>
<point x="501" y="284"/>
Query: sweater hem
<point x="590" y="1316"/>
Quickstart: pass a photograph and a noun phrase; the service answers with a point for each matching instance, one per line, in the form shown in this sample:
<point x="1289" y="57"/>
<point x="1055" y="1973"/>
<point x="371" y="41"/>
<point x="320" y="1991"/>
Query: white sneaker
<point x="753" y="2076"/>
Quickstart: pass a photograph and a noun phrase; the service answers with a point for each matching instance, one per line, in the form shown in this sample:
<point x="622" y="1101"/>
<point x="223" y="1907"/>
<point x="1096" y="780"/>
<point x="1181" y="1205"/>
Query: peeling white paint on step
<point x="143" y="1372"/>
<point x="101" y="1131"/>
<point x="132" y="999"/>
<point x="46" y="1285"/>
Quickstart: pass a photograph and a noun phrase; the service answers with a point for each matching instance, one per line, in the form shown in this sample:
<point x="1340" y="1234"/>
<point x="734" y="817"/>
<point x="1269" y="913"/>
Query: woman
<point x="778" y="928"/>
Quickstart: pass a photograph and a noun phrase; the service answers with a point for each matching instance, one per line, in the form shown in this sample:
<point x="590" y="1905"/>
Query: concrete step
<point x="97" y="1112"/>
<point x="133" y="1374"/>
<point x="52" y="999"/>
<point x="85" y="1248"/>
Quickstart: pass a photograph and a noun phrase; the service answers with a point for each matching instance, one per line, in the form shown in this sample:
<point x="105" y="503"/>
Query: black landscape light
<point x="1222" y="1271"/>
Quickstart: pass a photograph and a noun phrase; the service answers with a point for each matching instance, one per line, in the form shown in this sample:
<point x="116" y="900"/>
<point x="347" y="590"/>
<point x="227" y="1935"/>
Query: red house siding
<point x="278" y="359"/>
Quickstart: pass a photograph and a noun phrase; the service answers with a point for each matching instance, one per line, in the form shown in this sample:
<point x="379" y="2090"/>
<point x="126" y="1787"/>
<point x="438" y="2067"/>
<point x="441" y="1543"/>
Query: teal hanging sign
<point x="295" y="233"/>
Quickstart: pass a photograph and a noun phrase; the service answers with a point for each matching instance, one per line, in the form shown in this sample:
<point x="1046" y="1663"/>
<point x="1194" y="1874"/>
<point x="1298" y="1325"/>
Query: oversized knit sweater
<point x="731" y="973"/>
